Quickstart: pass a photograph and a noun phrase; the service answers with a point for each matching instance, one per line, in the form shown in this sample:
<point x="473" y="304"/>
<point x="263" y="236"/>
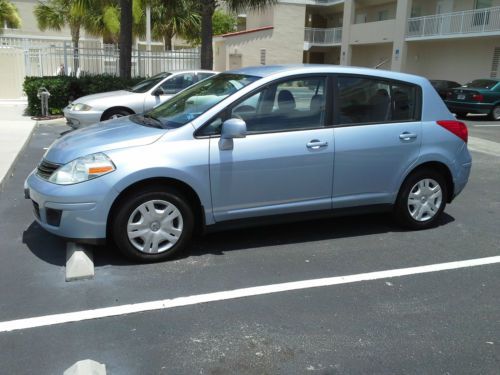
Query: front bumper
<point x="78" y="211"/>
<point x="467" y="107"/>
<point x="77" y="119"/>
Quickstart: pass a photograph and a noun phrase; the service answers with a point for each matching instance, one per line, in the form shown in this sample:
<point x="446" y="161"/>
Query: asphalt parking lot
<point x="442" y="322"/>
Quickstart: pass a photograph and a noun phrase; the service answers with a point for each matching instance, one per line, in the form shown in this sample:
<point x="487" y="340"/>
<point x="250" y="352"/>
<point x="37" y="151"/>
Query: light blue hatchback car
<point x="255" y="145"/>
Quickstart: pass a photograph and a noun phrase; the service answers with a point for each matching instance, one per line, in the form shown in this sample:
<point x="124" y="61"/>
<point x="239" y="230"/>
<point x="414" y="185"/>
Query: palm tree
<point x="56" y="14"/>
<point x="125" y="41"/>
<point x="9" y="15"/>
<point x="173" y="17"/>
<point x="206" y="9"/>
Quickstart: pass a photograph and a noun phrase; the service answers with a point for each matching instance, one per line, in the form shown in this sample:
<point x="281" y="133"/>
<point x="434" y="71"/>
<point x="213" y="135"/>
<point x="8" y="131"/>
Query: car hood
<point x="101" y="137"/>
<point x="115" y="95"/>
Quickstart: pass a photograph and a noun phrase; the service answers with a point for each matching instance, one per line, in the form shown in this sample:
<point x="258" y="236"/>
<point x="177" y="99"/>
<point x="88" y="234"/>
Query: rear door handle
<point x="316" y="144"/>
<point x="406" y="136"/>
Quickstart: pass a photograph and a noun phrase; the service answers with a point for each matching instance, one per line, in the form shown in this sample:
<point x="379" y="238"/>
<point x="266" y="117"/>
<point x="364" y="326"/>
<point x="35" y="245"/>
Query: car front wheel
<point x="153" y="224"/>
<point x="421" y="200"/>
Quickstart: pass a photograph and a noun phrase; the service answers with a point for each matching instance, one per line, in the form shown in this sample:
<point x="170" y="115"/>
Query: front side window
<point x="197" y="99"/>
<point x="288" y="105"/>
<point x="149" y="83"/>
<point x="178" y="83"/>
<point x="371" y="100"/>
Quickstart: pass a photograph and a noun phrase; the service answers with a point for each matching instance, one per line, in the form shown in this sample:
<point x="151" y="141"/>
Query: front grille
<point x="45" y="169"/>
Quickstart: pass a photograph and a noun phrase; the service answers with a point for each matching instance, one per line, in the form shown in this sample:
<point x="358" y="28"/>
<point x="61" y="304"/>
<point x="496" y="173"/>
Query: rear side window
<point x="370" y="100"/>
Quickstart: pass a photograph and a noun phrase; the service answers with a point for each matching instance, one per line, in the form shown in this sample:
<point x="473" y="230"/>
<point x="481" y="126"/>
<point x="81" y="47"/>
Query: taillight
<point x="477" y="97"/>
<point x="456" y="127"/>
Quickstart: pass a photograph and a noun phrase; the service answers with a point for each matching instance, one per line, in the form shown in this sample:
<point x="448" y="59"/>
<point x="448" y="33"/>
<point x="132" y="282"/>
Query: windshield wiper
<point x="148" y="120"/>
<point x="152" y="119"/>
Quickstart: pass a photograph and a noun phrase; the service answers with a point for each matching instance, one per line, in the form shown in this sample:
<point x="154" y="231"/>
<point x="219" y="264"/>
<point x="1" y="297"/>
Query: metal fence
<point x="323" y="37"/>
<point x="485" y="20"/>
<point x="46" y="58"/>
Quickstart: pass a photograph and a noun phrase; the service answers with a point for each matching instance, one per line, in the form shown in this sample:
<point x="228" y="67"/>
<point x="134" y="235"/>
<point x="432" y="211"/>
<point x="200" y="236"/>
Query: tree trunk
<point x="168" y="41"/>
<point x="75" y="39"/>
<point x="207" y="11"/>
<point x="125" y="41"/>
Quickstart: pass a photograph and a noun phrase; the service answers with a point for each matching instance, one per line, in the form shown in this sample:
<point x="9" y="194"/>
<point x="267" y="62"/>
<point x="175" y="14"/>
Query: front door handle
<point x="407" y="136"/>
<point x="316" y="144"/>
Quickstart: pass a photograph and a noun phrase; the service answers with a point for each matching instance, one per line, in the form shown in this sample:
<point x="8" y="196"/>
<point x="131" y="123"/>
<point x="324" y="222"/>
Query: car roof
<point x="270" y="70"/>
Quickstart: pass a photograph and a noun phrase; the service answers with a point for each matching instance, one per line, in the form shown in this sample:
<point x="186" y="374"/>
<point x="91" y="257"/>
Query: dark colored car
<point x="444" y="87"/>
<point x="481" y="96"/>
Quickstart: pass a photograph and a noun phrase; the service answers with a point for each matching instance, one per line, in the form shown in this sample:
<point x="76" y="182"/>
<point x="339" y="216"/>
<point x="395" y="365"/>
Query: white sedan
<point x="140" y="98"/>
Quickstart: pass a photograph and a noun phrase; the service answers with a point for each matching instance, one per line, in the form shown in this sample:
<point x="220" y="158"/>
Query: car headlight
<point x="81" y="107"/>
<point x="83" y="169"/>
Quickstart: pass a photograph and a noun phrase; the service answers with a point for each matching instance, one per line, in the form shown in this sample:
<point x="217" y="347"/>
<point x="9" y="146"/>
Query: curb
<point x="10" y="171"/>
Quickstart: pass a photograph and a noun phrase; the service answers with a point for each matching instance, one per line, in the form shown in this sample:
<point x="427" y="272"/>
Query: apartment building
<point x="457" y="40"/>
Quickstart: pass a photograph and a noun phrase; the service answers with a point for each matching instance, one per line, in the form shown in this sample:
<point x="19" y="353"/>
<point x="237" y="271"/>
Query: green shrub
<point x="64" y="89"/>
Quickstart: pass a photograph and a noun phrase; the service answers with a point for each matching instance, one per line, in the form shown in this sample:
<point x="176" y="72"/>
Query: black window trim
<point x="390" y="82"/>
<point x="328" y="109"/>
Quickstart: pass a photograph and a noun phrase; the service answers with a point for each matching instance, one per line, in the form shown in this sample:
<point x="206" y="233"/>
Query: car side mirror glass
<point x="232" y="128"/>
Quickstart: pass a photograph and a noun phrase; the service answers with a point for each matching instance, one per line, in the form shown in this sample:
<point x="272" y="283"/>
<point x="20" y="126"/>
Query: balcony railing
<point x="323" y="37"/>
<point x="477" y="21"/>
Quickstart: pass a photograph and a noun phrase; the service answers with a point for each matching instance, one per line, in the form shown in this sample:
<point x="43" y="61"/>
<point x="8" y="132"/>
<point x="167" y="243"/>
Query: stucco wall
<point x="284" y="44"/>
<point x="373" y="32"/>
<point x="371" y="55"/>
<point x="11" y="73"/>
<point x="256" y="19"/>
<point x="460" y="60"/>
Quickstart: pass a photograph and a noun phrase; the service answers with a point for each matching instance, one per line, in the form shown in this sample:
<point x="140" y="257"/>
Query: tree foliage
<point x="9" y="15"/>
<point x="222" y="23"/>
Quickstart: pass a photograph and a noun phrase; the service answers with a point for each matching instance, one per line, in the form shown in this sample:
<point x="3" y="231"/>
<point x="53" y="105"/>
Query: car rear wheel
<point x="495" y="113"/>
<point x="115" y="113"/>
<point x="421" y="199"/>
<point x="153" y="224"/>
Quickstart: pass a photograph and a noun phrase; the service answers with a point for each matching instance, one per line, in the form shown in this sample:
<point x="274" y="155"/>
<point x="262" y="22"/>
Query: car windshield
<point x="149" y="83"/>
<point x="482" y="84"/>
<point x="192" y="102"/>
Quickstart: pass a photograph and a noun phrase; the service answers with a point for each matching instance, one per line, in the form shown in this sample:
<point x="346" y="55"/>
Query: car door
<point x="378" y="134"/>
<point x="285" y="162"/>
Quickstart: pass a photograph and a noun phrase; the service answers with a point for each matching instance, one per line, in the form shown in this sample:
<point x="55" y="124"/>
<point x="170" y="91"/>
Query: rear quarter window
<point x="372" y="100"/>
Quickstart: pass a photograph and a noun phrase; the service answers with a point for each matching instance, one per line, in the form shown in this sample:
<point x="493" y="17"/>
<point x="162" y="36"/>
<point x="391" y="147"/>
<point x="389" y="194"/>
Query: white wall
<point x="460" y="60"/>
<point x="371" y="55"/>
<point x="284" y="44"/>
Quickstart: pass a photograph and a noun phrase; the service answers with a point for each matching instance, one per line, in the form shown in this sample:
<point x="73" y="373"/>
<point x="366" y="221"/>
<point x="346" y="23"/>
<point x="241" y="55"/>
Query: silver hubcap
<point x="496" y="113"/>
<point x="155" y="226"/>
<point x="117" y="115"/>
<point x="424" y="199"/>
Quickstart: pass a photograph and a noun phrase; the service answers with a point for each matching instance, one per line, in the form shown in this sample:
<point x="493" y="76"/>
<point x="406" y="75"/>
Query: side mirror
<point x="232" y="128"/>
<point x="158" y="91"/>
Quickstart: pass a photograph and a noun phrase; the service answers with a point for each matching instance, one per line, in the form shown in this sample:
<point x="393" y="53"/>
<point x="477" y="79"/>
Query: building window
<point x="481" y="4"/>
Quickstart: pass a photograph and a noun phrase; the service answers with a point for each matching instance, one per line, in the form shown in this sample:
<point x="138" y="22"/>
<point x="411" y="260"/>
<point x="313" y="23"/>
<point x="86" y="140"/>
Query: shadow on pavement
<point x="52" y="249"/>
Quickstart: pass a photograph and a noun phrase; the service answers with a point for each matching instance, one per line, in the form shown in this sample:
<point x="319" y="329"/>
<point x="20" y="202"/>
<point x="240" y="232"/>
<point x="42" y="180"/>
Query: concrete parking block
<point x="86" y="367"/>
<point x="79" y="262"/>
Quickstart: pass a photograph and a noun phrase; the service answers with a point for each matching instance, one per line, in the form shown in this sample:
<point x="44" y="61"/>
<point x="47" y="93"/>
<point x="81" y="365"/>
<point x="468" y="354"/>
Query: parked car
<point x="140" y="98"/>
<point x="481" y="96"/>
<point x="444" y="87"/>
<point x="268" y="143"/>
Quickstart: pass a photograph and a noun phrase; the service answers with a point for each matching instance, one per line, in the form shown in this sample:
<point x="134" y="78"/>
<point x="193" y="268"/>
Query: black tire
<point x="118" y="112"/>
<point x="495" y="113"/>
<point x="126" y="208"/>
<point x="402" y="212"/>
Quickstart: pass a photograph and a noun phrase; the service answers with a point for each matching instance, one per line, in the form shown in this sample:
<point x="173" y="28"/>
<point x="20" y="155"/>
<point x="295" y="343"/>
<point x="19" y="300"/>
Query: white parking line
<point x="78" y="316"/>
